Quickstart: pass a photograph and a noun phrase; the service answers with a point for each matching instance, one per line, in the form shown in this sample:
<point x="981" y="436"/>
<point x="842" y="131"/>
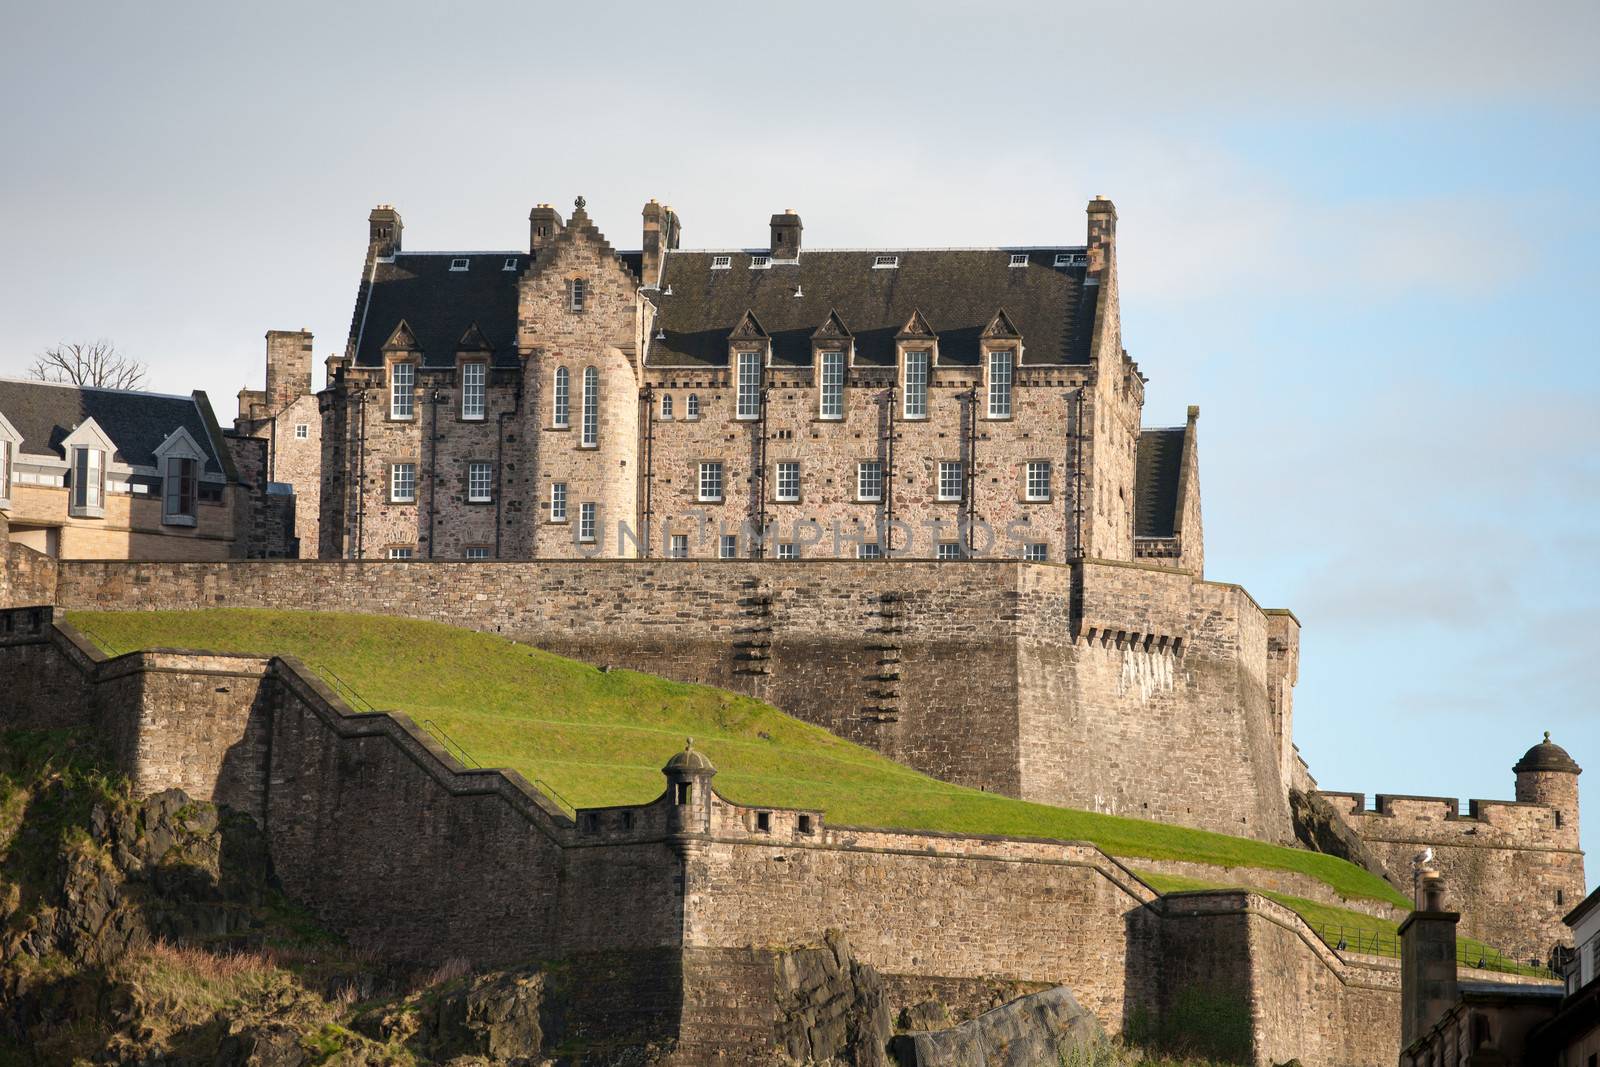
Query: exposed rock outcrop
<point x="831" y="1009"/>
<point x="1041" y="1028"/>
<point x="1318" y="827"/>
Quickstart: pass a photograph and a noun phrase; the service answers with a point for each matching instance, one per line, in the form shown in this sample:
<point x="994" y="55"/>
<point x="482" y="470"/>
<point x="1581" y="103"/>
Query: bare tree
<point x="88" y="363"/>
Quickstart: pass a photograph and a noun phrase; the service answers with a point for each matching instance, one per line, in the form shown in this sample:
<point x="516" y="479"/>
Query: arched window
<point x="559" y="414"/>
<point x="691" y="407"/>
<point x="591" y="406"/>
<point x="666" y="405"/>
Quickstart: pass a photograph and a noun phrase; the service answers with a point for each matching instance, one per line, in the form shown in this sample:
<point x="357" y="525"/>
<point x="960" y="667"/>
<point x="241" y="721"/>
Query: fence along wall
<point x="1065" y="685"/>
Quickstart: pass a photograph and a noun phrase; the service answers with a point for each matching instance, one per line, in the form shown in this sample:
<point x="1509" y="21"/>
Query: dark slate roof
<point x="1156" y="488"/>
<point x="440" y="305"/>
<point x="958" y="292"/>
<point x="1547" y="756"/>
<point x="45" y="414"/>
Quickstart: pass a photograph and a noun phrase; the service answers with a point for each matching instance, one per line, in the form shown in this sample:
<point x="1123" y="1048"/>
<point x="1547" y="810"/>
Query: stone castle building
<point x="285" y="418"/>
<point x="781" y="402"/>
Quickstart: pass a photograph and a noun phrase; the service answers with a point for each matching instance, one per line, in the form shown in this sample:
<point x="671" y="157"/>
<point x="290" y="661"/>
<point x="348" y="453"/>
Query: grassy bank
<point x="600" y="737"/>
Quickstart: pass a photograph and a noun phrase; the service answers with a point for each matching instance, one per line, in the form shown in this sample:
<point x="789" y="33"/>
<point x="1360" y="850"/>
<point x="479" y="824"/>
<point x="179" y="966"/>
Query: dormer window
<point x="1063" y="259"/>
<point x="721" y="262"/>
<point x="402" y="379"/>
<point x="577" y="294"/>
<point x="885" y="262"/>
<point x="88" y="482"/>
<point x="460" y="263"/>
<point x="511" y="263"/>
<point x="179" y="488"/>
<point x="748" y="396"/>
<point x="1019" y="259"/>
<point x="760" y="262"/>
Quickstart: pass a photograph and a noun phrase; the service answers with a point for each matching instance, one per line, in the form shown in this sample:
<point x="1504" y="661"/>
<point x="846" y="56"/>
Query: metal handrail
<point x="451" y="745"/>
<point x="1475" y="954"/>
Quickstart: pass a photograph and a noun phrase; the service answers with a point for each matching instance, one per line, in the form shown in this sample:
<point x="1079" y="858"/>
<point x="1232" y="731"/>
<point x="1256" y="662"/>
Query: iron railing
<point x="1468" y="953"/>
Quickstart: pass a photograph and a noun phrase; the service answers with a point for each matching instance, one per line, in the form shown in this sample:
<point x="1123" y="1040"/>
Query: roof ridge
<point x="96" y="388"/>
<point x="881" y="248"/>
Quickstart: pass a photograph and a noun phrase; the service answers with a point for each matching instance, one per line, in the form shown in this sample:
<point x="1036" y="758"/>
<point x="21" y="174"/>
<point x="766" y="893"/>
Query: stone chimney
<point x="1102" y="234"/>
<point x="544" y="225"/>
<point x="786" y="235"/>
<point x="1427" y="960"/>
<point x="661" y="229"/>
<point x="288" y="367"/>
<point x="383" y="232"/>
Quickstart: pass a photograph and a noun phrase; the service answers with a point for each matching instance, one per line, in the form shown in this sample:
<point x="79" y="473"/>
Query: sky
<point x="1359" y="236"/>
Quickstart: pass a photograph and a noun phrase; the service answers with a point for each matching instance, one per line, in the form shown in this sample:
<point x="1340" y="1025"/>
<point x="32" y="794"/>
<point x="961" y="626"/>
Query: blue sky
<point x="1360" y="238"/>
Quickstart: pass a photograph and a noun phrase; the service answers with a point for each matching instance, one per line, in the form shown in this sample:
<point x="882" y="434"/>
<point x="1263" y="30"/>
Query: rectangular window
<point x="5" y="471"/>
<point x="949" y="550"/>
<point x="179" y="491"/>
<point x="950" y="478"/>
<point x="591" y="407"/>
<point x="1019" y="259"/>
<point x="473" y="376"/>
<point x="749" y="402"/>
<point x="760" y="262"/>
<point x="402" y="378"/>
<point x="1036" y="552"/>
<point x="721" y="262"/>
<point x="711" y="481"/>
<point x="787" y="550"/>
<point x="403" y="483"/>
<point x="578" y="293"/>
<point x="475" y="554"/>
<point x="869" y="480"/>
<point x="1000" y="384"/>
<point x="678" y="547"/>
<point x="561" y="396"/>
<point x="480" y="483"/>
<point x="88" y="478"/>
<point x="787" y="482"/>
<point x="869" y="550"/>
<point x="1038" y="479"/>
<point x="558" y="501"/>
<point x="885" y="262"/>
<point x="729" y="547"/>
<point x="460" y="263"/>
<point x="916" y="406"/>
<point x="400" y="553"/>
<point x="832" y="393"/>
<point x="301" y="431"/>
<point x="586" y="521"/>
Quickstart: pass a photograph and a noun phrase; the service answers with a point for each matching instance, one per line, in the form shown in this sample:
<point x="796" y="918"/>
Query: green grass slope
<point x="599" y="738"/>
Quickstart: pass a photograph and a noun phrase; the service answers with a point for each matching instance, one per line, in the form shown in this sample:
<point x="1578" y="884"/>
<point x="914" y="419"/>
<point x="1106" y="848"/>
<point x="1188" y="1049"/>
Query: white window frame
<point x="948" y="550"/>
<point x="1002" y="368"/>
<point x="1063" y="259"/>
<point x="174" y="475"/>
<point x="830" y="387"/>
<point x="480" y="482"/>
<point x="577" y="294"/>
<point x="869" y="550"/>
<point x="951" y="469"/>
<point x="863" y="467"/>
<point x="678" y="546"/>
<point x="666" y="406"/>
<point x="558" y="501"/>
<point x="721" y="262"/>
<point x="1036" y="552"/>
<point x="302" y="431"/>
<point x="760" y="262"/>
<point x="788" y="550"/>
<point x="691" y="407"/>
<point x="88" y="481"/>
<point x="588" y="521"/>
<point x="1036" y="481"/>
<point x="402" y="552"/>
<point x="476" y="554"/>
<point x="402" y="383"/>
<point x="510" y="264"/>
<point x="709" y="488"/>
<point x="561" y="399"/>
<point x="786" y="481"/>
<point x="747" y="404"/>
<point x="474" y="390"/>
<point x="914" y="381"/>
<point x="460" y="263"/>
<point x="885" y="262"/>
<point x="591" y="408"/>
<point x="397" y="483"/>
<point x="728" y="547"/>
<point x="1018" y="259"/>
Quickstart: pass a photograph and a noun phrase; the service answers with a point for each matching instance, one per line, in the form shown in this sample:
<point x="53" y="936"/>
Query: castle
<point x="902" y="494"/>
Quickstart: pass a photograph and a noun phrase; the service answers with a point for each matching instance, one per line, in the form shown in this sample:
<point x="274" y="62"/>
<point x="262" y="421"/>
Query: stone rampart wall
<point x="1118" y="687"/>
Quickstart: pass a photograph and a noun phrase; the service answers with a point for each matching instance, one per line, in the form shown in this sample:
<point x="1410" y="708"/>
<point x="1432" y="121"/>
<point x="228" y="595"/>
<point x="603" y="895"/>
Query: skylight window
<point x="760" y="262"/>
<point x="1019" y="259"/>
<point x="511" y="264"/>
<point x="721" y="262"/>
<point x="460" y="263"/>
<point x="1063" y="259"/>
<point x="885" y="262"/>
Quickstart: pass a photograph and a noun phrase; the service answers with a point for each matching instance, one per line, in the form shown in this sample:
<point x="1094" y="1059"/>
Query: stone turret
<point x="1547" y="775"/>
<point x="689" y="775"/>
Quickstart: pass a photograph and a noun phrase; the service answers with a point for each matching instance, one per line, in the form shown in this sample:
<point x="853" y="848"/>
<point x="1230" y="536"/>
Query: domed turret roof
<point x="1547" y="756"/>
<point x="689" y="761"/>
